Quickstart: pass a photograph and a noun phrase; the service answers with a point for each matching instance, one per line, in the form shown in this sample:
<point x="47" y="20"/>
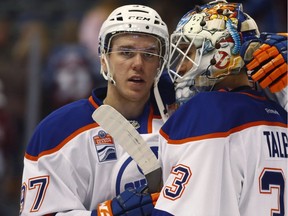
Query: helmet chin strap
<point x="107" y="75"/>
<point x="161" y="106"/>
<point x="112" y="80"/>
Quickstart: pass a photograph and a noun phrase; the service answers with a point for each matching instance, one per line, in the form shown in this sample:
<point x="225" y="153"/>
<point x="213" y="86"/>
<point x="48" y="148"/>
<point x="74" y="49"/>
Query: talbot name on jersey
<point x="277" y="143"/>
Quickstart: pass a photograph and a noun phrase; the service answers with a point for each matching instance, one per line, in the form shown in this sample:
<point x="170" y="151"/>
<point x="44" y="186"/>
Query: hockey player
<point x="225" y="150"/>
<point x="71" y="164"/>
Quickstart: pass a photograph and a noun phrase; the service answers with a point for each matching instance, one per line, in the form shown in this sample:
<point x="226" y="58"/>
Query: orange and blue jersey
<point x="71" y="164"/>
<point x="224" y="153"/>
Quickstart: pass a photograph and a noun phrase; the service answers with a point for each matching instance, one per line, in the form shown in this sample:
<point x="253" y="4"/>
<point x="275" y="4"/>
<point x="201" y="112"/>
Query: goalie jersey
<point x="71" y="164"/>
<point x="225" y="154"/>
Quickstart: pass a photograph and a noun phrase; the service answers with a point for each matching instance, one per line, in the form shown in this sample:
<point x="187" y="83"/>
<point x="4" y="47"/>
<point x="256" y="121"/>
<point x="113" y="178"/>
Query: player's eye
<point x="149" y="55"/>
<point x="127" y="54"/>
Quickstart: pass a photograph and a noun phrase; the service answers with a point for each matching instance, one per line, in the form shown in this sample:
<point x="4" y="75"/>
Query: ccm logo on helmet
<point x="138" y="18"/>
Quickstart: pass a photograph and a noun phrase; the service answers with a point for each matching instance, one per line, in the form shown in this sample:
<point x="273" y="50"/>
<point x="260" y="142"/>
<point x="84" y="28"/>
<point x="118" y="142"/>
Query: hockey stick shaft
<point x="132" y="142"/>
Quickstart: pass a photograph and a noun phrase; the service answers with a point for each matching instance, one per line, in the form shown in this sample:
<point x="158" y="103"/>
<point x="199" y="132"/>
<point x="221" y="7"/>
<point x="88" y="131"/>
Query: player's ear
<point x="103" y="63"/>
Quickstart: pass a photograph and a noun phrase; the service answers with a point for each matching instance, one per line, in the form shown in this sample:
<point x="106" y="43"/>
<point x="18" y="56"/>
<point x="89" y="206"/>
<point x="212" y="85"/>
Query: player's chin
<point x="138" y="94"/>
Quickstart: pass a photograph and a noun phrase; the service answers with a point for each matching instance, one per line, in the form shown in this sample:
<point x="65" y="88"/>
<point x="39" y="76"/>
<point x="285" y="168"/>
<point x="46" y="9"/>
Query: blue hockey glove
<point x="129" y="203"/>
<point x="268" y="62"/>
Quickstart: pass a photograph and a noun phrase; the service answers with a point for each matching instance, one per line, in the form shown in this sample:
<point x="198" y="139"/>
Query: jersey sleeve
<point x="56" y="175"/>
<point x="49" y="185"/>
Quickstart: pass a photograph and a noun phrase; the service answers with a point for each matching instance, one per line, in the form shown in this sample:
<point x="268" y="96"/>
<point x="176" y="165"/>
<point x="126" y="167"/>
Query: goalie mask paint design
<point x="205" y="47"/>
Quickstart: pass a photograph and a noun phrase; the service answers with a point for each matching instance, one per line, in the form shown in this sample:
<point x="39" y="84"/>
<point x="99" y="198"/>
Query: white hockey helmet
<point x="215" y="32"/>
<point x="134" y="19"/>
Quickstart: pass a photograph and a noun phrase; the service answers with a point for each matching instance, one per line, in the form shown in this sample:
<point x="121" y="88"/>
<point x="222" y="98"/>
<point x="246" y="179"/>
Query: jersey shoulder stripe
<point x="60" y="127"/>
<point x="219" y="134"/>
<point x="217" y="114"/>
<point x="65" y="123"/>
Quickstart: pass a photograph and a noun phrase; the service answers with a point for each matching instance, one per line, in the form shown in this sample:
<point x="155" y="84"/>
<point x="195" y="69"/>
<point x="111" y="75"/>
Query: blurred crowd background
<point x="48" y="57"/>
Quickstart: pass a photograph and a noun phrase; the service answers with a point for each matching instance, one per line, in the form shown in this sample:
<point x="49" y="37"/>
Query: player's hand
<point x="130" y="202"/>
<point x="269" y="62"/>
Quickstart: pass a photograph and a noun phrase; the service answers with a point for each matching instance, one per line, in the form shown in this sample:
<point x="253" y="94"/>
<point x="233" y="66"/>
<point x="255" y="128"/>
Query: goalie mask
<point x="205" y="47"/>
<point x="136" y="19"/>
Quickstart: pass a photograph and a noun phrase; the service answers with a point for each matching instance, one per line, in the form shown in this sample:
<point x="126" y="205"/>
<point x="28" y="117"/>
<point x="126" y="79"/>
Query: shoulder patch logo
<point x="105" y="147"/>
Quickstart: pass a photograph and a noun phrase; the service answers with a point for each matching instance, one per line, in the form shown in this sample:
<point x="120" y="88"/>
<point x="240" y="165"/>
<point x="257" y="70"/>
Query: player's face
<point x="185" y="64"/>
<point x="134" y="62"/>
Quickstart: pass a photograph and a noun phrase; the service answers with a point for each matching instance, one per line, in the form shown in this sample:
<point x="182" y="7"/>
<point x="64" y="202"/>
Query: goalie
<point x="224" y="151"/>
